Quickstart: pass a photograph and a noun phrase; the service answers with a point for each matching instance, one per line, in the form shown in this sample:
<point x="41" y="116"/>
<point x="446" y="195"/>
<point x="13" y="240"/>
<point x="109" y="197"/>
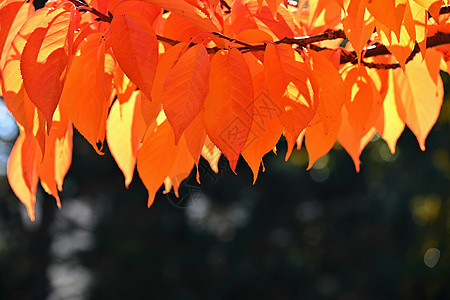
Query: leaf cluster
<point x="166" y="82"/>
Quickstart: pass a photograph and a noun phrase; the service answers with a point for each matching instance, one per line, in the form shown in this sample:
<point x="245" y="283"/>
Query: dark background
<point x="328" y="233"/>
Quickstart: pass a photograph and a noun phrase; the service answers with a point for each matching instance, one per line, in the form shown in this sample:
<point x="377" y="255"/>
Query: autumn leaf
<point x="358" y="25"/>
<point x="22" y="171"/>
<point x="389" y="124"/>
<point x="331" y="89"/>
<point x="87" y="107"/>
<point x="319" y="139"/>
<point x="57" y="158"/>
<point x="184" y="90"/>
<point x="419" y="95"/>
<point x="195" y="136"/>
<point x="122" y="126"/>
<point x="181" y="168"/>
<point x="169" y="81"/>
<point x="228" y="111"/>
<point x="353" y="139"/>
<point x="8" y="11"/>
<point x="156" y="158"/>
<point x="289" y="83"/>
<point x="266" y="127"/>
<point x="135" y="47"/>
<point x="45" y="58"/>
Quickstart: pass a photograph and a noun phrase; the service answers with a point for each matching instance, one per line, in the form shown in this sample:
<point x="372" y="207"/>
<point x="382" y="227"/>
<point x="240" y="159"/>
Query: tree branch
<point x="438" y="39"/>
<point x="225" y="4"/>
<point x="302" y="42"/>
<point x="80" y="4"/>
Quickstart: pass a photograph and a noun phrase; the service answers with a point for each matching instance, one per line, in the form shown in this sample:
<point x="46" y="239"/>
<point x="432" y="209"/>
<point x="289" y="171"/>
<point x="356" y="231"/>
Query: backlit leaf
<point x="156" y="158"/>
<point x="266" y="128"/>
<point x="228" y="111"/>
<point x="319" y="140"/>
<point x="185" y="90"/>
<point x="289" y="83"/>
<point x="87" y="106"/>
<point x="22" y="171"/>
<point x="123" y="135"/>
<point x="45" y="59"/>
<point x="419" y="95"/>
<point x="135" y="47"/>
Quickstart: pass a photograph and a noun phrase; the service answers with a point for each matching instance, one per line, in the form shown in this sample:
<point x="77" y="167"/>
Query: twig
<point x="232" y="40"/>
<point x="346" y="57"/>
<point x="306" y="40"/>
<point x="438" y="39"/>
<point x="225" y="4"/>
<point x="80" y="4"/>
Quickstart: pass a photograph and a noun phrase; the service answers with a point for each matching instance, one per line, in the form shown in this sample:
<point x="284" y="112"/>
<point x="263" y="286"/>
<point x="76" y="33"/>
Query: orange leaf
<point x="266" y="128"/>
<point x="281" y="24"/>
<point x="165" y="65"/>
<point x="352" y="139"/>
<point x="290" y="86"/>
<point x="185" y="89"/>
<point x="123" y="85"/>
<point x="86" y="95"/>
<point x="331" y="89"/>
<point x="14" y="93"/>
<point x="178" y="28"/>
<point x="188" y="12"/>
<point x="228" y="111"/>
<point x="148" y="11"/>
<point x="358" y="25"/>
<point x="273" y="5"/>
<point x="12" y="83"/>
<point x="135" y="47"/>
<point x="148" y="110"/>
<point x="402" y="43"/>
<point x="433" y="6"/>
<point x="254" y="36"/>
<point x="45" y="59"/>
<point x="181" y="168"/>
<point x="319" y="140"/>
<point x="58" y="156"/>
<point x="8" y="12"/>
<point x="22" y="171"/>
<point x="156" y="158"/>
<point x="241" y="17"/>
<point x="195" y="137"/>
<point x="387" y="12"/>
<point x="364" y="102"/>
<point x="322" y="16"/>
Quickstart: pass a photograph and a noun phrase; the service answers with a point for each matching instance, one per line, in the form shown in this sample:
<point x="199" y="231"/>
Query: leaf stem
<point x="80" y="4"/>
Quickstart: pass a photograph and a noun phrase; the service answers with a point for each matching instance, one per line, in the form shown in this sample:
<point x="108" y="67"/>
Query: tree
<point x="165" y="82"/>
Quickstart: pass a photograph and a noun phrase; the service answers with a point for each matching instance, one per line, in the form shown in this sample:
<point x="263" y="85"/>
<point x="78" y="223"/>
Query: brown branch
<point x="302" y="42"/>
<point x="438" y="39"/>
<point x="306" y="40"/>
<point x="225" y="4"/>
<point x="81" y="5"/>
<point x="167" y="40"/>
<point x="232" y="40"/>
